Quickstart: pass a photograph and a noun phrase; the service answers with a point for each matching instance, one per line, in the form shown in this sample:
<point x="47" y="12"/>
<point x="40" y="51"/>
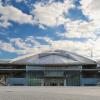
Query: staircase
<point x="2" y="83"/>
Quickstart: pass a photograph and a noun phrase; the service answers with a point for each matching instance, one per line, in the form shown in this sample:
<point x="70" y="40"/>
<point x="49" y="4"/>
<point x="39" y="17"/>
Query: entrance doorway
<point x="53" y="82"/>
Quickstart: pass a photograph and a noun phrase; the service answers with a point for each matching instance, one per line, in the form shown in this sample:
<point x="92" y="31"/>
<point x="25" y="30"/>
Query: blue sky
<point x="33" y="26"/>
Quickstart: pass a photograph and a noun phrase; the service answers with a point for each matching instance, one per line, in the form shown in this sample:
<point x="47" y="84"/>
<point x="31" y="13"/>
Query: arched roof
<point x="53" y="57"/>
<point x="97" y="61"/>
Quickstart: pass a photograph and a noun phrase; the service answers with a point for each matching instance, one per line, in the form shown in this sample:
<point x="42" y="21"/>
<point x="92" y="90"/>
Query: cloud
<point x="19" y="43"/>
<point x="83" y="48"/>
<point x="78" y="29"/>
<point x="6" y="47"/>
<point x="82" y="28"/>
<point x="32" y="41"/>
<point x="23" y="46"/>
<point x="89" y="29"/>
<point x="10" y="13"/>
<point x="91" y="8"/>
<point x="47" y="39"/>
<point x="51" y="14"/>
<point x="31" y="45"/>
<point x="42" y="27"/>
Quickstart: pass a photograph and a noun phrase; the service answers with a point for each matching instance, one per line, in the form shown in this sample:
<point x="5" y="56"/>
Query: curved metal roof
<point x="53" y="57"/>
<point x="98" y="61"/>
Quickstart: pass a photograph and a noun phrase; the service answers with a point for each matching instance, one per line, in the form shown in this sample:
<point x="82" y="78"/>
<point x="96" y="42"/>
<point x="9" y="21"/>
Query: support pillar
<point x="64" y="82"/>
<point x="42" y="82"/>
<point x="81" y="79"/>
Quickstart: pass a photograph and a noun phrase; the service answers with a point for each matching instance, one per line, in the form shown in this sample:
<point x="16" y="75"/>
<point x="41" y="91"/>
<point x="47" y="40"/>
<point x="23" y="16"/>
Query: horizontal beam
<point x="50" y="69"/>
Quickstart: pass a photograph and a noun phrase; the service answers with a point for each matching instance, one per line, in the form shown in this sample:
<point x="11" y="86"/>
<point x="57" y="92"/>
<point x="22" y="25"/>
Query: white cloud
<point x="20" y="46"/>
<point x="27" y="45"/>
<point x="78" y="29"/>
<point x="10" y="13"/>
<point x="32" y="41"/>
<point x="81" y="28"/>
<point x="52" y="13"/>
<point x="6" y="47"/>
<point x="84" y="48"/>
<point x="42" y="26"/>
<point x="91" y="8"/>
<point x="74" y="46"/>
<point x="19" y="43"/>
<point x="31" y="45"/>
<point x="48" y="40"/>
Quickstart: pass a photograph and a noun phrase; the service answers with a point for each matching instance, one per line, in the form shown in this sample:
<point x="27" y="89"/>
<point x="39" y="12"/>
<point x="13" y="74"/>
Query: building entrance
<point x="53" y="82"/>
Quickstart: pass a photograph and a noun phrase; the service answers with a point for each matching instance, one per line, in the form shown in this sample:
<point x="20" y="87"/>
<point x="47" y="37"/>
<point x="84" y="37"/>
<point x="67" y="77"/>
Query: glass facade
<point x="54" y="73"/>
<point x="72" y="78"/>
<point x="52" y="76"/>
<point x="35" y="78"/>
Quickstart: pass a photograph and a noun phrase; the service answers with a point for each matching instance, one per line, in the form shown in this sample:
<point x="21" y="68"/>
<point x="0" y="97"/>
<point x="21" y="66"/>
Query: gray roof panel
<point x="54" y="57"/>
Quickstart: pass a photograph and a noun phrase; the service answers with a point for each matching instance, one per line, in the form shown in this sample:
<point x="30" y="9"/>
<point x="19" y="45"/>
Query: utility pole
<point x="91" y="53"/>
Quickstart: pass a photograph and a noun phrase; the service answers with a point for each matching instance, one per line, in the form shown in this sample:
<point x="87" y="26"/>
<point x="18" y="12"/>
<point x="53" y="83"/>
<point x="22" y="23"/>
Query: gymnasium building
<point x="50" y="68"/>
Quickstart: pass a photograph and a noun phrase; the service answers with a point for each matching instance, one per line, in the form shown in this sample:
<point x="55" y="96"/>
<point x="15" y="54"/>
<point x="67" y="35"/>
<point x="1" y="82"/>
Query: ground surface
<point x="49" y="93"/>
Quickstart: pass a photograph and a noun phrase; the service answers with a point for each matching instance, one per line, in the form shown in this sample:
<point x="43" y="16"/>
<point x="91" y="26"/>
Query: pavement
<point x="49" y="93"/>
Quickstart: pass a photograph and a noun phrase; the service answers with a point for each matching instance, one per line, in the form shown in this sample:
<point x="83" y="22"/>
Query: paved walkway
<point x="49" y="93"/>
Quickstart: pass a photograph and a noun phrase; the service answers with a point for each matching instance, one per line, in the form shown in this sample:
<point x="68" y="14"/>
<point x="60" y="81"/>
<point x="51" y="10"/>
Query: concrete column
<point x="81" y="81"/>
<point x="64" y="82"/>
<point x="26" y="77"/>
<point x="42" y="82"/>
